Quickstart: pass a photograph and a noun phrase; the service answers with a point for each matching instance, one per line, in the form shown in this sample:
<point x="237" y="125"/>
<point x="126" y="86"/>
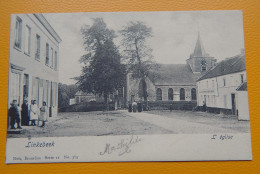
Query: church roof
<point x="175" y="74"/>
<point x="227" y="66"/>
<point x="199" y="49"/>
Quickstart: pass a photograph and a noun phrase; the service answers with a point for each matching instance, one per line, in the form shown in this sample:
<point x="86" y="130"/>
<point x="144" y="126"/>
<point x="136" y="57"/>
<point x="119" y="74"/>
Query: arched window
<point x="170" y="94"/>
<point x="193" y="94"/>
<point x="158" y="94"/>
<point x="182" y="94"/>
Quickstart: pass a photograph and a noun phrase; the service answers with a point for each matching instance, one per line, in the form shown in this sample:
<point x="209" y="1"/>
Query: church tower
<point x="199" y="60"/>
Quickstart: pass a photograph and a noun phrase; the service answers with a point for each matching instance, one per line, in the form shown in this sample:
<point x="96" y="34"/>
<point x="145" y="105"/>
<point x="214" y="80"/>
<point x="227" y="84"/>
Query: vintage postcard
<point x="127" y="86"/>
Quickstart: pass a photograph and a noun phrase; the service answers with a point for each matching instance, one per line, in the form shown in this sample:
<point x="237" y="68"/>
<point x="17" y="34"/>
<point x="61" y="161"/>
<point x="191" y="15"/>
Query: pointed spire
<point x="199" y="49"/>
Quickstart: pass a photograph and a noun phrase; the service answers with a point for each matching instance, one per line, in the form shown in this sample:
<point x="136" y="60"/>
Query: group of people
<point x="28" y="114"/>
<point x="134" y="107"/>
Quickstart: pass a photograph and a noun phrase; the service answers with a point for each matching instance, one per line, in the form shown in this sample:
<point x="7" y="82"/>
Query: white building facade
<point x="33" y="61"/>
<point x="218" y="89"/>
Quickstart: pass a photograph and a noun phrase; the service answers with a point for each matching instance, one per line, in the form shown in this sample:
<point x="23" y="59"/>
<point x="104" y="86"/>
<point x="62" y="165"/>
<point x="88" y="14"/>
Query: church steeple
<point x="199" y="60"/>
<point x="199" y="49"/>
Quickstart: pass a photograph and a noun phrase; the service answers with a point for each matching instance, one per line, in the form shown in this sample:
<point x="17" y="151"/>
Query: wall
<point x="195" y="63"/>
<point x="31" y="66"/>
<point x="133" y="87"/>
<point x="176" y="92"/>
<point x="215" y="93"/>
<point x="251" y="26"/>
<point x="242" y="105"/>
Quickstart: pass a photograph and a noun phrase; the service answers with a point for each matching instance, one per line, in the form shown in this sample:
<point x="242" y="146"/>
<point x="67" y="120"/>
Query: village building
<point x="223" y="89"/>
<point x="81" y="96"/>
<point x="173" y="82"/>
<point x="33" y="61"/>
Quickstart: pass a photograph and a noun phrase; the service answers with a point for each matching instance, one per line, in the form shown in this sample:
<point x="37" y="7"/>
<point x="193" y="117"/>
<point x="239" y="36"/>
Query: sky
<point x="174" y="35"/>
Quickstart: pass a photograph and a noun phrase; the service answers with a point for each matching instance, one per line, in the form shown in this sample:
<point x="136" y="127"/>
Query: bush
<point x="87" y="107"/>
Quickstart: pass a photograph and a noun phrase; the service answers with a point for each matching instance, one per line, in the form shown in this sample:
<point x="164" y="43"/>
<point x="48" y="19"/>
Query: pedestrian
<point x="204" y="106"/>
<point x="25" y="113"/>
<point x="130" y="107"/>
<point x="134" y="104"/>
<point x="14" y="114"/>
<point x="139" y="107"/>
<point x="171" y="107"/>
<point x="43" y="114"/>
<point x="33" y="112"/>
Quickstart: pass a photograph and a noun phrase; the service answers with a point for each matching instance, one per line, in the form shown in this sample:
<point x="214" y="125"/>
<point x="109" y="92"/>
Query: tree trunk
<point x="144" y="86"/>
<point x="106" y="102"/>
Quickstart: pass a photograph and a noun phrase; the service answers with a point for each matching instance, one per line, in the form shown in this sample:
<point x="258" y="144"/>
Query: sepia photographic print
<point x="127" y="86"/>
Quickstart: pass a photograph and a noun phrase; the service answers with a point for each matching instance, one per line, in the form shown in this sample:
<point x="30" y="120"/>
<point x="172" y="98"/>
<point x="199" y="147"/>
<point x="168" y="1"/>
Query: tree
<point x="66" y="92"/>
<point x="102" y="72"/>
<point x="137" y="54"/>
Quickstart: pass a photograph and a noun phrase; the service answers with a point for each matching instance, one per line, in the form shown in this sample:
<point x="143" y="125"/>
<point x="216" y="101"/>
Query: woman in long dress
<point x="43" y="114"/>
<point x="33" y="112"/>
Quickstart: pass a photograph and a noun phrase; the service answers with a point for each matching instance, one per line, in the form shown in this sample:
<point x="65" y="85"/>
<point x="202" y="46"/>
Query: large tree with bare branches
<point x="136" y="52"/>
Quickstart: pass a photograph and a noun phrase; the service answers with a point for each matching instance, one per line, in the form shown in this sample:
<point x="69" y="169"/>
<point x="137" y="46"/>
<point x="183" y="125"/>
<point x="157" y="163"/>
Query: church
<point x="174" y="83"/>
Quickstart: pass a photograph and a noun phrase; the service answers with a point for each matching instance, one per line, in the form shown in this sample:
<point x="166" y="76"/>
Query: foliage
<point x="66" y="92"/>
<point x="102" y="72"/>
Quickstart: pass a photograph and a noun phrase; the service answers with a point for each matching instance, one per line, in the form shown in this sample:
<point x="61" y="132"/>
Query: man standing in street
<point x="134" y="104"/>
<point x="14" y="114"/>
<point x="25" y="113"/>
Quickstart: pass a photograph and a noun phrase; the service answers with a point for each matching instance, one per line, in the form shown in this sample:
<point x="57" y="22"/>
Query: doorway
<point x="233" y="103"/>
<point x="25" y="86"/>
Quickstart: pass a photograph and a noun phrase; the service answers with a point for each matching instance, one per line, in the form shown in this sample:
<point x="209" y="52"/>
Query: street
<point x="121" y="122"/>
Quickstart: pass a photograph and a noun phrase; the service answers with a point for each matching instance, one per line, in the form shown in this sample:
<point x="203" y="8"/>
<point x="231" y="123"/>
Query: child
<point x="43" y="114"/>
<point x="33" y="112"/>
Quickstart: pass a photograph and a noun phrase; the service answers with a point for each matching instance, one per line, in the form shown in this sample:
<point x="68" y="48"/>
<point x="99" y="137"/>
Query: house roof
<point x="80" y="93"/>
<point x="242" y="87"/>
<point x="175" y="74"/>
<point x="227" y="66"/>
<point x="48" y="27"/>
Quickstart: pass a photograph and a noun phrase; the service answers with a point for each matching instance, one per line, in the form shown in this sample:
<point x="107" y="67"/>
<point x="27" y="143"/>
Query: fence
<point x="175" y="105"/>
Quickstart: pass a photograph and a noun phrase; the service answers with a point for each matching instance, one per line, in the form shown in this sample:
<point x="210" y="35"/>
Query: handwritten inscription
<point x="222" y="137"/>
<point x="123" y="147"/>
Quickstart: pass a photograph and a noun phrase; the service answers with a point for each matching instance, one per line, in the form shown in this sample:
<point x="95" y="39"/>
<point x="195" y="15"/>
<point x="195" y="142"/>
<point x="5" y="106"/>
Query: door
<point x="25" y="86"/>
<point x="233" y="102"/>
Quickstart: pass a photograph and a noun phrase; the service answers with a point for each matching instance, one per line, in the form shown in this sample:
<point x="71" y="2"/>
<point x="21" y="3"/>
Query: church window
<point x="170" y="94"/>
<point x="193" y="94"/>
<point x="182" y="94"/>
<point x="203" y="65"/>
<point x="158" y="94"/>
